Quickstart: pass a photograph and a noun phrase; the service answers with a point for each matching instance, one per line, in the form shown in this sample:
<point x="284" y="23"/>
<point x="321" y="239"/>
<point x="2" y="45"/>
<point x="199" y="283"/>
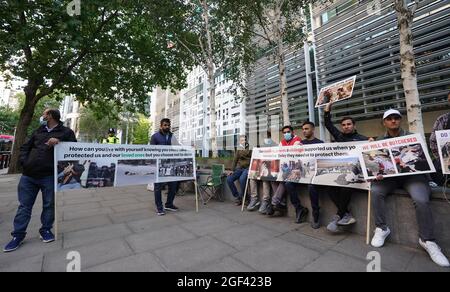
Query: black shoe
<point x="238" y="202"/>
<point x="172" y="208"/>
<point x="301" y="214"/>
<point x="280" y="210"/>
<point x="270" y="210"/>
<point x="316" y="215"/>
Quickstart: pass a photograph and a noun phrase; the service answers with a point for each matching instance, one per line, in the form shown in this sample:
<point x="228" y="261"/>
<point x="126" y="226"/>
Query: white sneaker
<point x="380" y="237"/>
<point x="435" y="253"/>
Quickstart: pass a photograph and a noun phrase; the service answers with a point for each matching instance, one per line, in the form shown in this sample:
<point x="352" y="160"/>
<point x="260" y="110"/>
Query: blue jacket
<point x="160" y="138"/>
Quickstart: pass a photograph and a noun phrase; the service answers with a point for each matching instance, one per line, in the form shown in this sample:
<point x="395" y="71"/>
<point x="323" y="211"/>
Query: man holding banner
<point x="442" y="123"/>
<point x="167" y="138"/>
<point x="301" y="212"/>
<point x="342" y="196"/>
<point x="279" y="204"/>
<point x="267" y="186"/>
<point x="37" y="159"/>
<point x="419" y="190"/>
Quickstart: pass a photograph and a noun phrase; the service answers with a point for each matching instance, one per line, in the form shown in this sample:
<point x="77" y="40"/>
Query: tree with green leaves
<point x="279" y="26"/>
<point x="220" y="42"/>
<point x="115" y="51"/>
<point x="94" y="126"/>
<point x="141" y="131"/>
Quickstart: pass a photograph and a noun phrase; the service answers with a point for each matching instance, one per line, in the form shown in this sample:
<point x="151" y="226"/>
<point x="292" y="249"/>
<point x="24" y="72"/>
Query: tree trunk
<point x="405" y="19"/>
<point x="283" y="83"/>
<point x="213" y="116"/>
<point x="26" y="116"/>
<point x="211" y="79"/>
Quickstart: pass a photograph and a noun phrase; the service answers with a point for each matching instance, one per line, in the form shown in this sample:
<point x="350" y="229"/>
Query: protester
<point x="267" y="186"/>
<point x="111" y="139"/>
<point x="341" y="197"/>
<point x="167" y="138"/>
<point x="418" y="188"/>
<point x="301" y="212"/>
<point x="241" y="166"/>
<point x="442" y="123"/>
<point x="37" y="159"/>
<point x="279" y="204"/>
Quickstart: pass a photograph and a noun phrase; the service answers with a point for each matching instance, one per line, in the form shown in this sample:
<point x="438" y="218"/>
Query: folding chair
<point x="213" y="188"/>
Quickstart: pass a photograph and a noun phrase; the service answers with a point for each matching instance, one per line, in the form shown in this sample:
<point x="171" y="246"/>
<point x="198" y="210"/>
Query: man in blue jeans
<point x="241" y="165"/>
<point x="36" y="157"/>
<point x="165" y="137"/>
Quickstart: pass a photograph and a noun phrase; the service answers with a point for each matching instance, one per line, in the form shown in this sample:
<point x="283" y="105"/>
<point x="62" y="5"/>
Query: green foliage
<point x="9" y="118"/>
<point x="94" y="125"/>
<point x="115" y="51"/>
<point x="141" y="131"/>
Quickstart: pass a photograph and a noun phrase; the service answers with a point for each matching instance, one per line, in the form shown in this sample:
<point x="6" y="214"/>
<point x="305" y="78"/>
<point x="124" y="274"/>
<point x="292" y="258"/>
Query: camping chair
<point x="213" y="188"/>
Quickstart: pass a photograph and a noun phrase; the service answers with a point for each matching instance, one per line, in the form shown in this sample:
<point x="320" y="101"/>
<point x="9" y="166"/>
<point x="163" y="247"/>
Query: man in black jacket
<point x="342" y="196"/>
<point x="36" y="157"/>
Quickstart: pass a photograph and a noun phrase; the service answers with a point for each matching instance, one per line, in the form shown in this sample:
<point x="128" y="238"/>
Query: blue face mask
<point x="288" y="136"/>
<point x="42" y="121"/>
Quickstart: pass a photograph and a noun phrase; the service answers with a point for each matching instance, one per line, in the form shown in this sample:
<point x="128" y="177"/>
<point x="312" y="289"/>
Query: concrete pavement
<point x="118" y="230"/>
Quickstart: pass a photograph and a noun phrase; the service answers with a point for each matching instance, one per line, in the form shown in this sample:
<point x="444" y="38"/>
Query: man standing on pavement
<point x="37" y="160"/>
<point x="167" y="138"/>
<point x="341" y="197"/>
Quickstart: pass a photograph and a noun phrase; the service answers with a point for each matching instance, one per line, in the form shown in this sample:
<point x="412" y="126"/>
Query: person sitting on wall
<point x="241" y="166"/>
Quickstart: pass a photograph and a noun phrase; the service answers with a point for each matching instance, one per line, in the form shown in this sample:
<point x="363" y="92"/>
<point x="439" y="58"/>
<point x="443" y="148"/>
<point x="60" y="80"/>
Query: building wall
<point x="350" y="39"/>
<point x="195" y="117"/>
<point x="165" y="104"/>
<point x="70" y="114"/>
<point x="363" y="42"/>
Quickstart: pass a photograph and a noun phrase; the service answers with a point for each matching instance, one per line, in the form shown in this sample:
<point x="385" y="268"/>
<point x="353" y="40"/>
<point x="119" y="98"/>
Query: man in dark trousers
<point x="36" y="157"/>
<point x="342" y="196"/>
<point x="165" y="137"/>
<point x="308" y="129"/>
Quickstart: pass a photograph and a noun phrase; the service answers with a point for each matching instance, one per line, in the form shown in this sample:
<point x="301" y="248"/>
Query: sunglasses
<point x="287" y="132"/>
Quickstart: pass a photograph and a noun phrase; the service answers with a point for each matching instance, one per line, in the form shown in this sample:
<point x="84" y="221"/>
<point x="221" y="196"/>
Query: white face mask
<point x="42" y="121"/>
<point x="267" y="141"/>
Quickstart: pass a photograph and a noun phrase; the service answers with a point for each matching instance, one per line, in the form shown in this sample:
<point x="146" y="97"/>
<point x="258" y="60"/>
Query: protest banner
<point x="395" y="157"/>
<point x="319" y="164"/>
<point x="84" y="166"/>
<point x="79" y="165"/>
<point x="338" y="91"/>
<point x="443" y="141"/>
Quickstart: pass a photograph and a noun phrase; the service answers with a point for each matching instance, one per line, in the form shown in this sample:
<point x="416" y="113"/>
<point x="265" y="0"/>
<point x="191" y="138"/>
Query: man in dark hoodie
<point x="36" y="157"/>
<point x="342" y="196"/>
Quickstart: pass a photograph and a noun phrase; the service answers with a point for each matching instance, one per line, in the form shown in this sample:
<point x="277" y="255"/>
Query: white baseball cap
<point x="391" y="112"/>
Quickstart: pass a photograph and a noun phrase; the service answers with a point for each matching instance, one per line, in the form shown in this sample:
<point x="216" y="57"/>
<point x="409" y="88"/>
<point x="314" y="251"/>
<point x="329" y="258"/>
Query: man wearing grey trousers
<point x="418" y="188"/>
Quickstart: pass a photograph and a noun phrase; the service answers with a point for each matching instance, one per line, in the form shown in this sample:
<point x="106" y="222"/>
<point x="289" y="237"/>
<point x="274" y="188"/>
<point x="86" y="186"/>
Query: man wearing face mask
<point x="279" y="204"/>
<point x="267" y="185"/>
<point x="167" y="138"/>
<point x="36" y="157"/>
<point x="241" y="165"/>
